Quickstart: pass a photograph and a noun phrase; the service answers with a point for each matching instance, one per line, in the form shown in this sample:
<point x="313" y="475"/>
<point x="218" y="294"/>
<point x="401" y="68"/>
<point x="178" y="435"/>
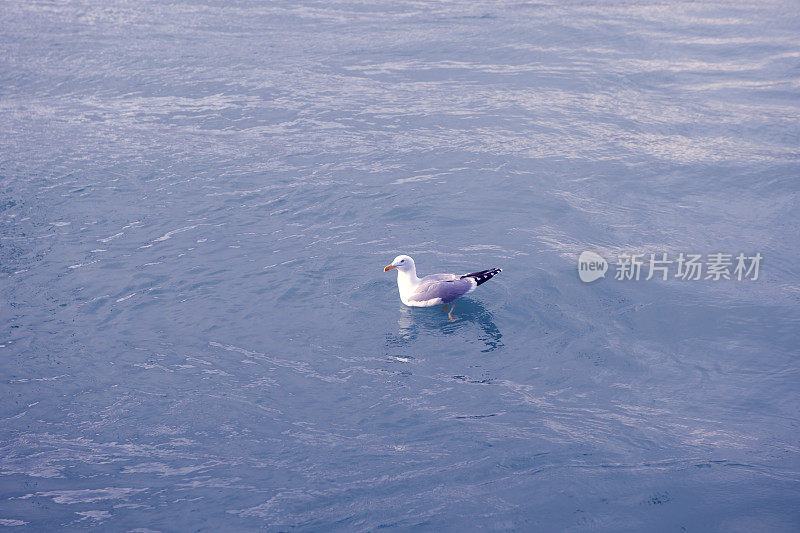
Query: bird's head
<point x="401" y="262"/>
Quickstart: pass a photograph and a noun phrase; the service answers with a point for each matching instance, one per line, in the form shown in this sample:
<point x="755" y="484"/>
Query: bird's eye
<point x="402" y="260"/>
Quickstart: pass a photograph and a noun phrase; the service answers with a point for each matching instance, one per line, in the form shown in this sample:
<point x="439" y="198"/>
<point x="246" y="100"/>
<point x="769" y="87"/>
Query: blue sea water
<point x="198" y="200"/>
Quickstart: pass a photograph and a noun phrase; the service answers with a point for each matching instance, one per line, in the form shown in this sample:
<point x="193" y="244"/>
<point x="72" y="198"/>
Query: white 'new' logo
<point x="591" y="266"/>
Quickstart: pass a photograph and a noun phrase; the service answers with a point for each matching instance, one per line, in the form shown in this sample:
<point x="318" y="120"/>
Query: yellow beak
<point x="388" y="268"/>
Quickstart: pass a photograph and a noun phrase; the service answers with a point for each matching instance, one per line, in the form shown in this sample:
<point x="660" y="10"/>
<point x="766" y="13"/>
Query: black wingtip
<point x="484" y="275"/>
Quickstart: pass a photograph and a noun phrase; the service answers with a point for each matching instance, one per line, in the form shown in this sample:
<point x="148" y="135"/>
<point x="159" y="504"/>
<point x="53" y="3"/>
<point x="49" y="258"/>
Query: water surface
<point x="198" y="199"/>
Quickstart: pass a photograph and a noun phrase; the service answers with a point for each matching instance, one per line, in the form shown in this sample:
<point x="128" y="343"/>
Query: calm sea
<point x="197" y="200"/>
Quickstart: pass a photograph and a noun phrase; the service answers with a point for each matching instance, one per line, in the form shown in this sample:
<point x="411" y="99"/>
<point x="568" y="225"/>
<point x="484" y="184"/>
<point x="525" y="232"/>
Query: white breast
<point x="407" y="284"/>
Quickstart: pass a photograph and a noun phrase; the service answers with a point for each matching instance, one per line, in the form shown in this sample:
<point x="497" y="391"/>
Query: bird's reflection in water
<point x="415" y="321"/>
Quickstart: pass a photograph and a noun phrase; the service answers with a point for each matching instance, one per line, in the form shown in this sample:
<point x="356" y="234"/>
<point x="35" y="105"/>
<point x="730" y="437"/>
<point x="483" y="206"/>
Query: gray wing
<point x="447" y="287"/>
<point x="439" y="277"/>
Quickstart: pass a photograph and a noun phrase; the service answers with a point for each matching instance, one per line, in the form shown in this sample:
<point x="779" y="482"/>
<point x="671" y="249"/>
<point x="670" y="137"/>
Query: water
<point x="198" y="199"/>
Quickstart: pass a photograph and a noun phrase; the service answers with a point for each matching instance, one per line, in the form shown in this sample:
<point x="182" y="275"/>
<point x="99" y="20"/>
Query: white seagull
<point x="436" y="289"/>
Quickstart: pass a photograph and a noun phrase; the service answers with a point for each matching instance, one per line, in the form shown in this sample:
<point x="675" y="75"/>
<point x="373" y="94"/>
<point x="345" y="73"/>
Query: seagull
<point x="436" y="289"/>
